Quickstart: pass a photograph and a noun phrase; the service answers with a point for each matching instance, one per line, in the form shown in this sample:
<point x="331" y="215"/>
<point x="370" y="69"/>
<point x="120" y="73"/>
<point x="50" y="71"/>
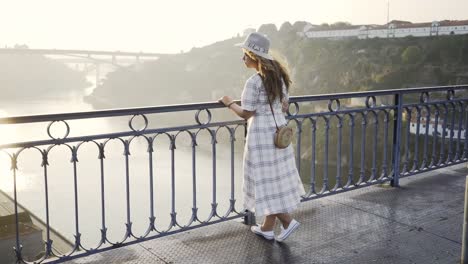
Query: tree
<point x="340" y="24"/>
<point x="299" y="25"/>
<point x="464" y="53"/>
<point x="286" y="27"/>
<point x="268" y="29"/>
<point x="411" y="55"/>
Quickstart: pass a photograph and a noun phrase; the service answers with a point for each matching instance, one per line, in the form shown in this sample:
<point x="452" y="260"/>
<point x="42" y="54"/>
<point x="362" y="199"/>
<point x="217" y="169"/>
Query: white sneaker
<point x="269" y="235"/>
<point x="288" y="231"/>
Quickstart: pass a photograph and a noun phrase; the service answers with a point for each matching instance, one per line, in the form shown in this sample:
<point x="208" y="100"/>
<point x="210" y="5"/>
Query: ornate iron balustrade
<point x="343" y="142"/>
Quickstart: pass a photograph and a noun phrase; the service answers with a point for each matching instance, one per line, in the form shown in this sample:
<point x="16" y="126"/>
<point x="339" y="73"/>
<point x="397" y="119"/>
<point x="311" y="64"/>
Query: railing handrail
<point x="207" y="105"/>
<point x="376" y="93"/>
<point x="108" y="113"/>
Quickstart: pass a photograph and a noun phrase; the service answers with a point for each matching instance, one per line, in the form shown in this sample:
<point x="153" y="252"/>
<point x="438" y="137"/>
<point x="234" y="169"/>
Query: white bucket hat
<point x="258" y="44"/>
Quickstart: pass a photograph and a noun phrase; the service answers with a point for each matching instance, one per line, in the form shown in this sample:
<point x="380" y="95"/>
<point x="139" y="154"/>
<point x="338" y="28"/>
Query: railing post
<point x="249" y="218"/>
<point x="464" y="258"/>
<point x="397" y="120"/>
<point x="18" y="247"/>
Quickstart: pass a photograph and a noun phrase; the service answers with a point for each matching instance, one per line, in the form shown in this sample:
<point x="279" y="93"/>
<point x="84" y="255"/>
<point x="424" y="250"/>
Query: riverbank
<point x="32" y="233"/>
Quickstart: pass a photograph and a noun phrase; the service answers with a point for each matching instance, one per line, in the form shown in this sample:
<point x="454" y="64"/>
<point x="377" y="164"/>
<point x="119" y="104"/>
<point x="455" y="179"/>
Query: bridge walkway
<point x="420" y="222"/>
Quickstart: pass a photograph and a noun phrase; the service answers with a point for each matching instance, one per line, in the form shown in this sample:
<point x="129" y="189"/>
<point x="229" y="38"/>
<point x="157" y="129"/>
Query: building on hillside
<point x="436" y="129"/>
<point x="308" y="27"/>
<point x="394" y="29"/>
<point x="337" y="33"/>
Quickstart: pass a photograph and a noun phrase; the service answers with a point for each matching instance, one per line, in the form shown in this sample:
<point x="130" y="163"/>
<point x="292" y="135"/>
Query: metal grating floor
<point x="421" y="222"/>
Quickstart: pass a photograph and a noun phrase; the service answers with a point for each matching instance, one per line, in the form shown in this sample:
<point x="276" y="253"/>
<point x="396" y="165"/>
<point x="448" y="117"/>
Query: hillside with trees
<point x="28" y="76"/>
<point x="317" y="66"/>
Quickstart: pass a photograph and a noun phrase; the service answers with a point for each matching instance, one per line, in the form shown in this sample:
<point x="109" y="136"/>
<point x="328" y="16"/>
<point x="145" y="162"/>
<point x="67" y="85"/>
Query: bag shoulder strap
<point x="272" y="112"/>
<point x="271" y="107"/>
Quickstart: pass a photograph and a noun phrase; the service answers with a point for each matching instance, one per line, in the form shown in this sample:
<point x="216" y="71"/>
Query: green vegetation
<point x="327" y="66"/>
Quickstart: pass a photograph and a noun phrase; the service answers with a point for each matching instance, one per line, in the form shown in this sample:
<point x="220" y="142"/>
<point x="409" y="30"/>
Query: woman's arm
<point x="237" y="109"/>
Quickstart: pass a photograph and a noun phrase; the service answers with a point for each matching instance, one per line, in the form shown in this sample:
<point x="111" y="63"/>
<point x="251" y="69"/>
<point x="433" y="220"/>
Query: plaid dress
<point x="271" y="181"/>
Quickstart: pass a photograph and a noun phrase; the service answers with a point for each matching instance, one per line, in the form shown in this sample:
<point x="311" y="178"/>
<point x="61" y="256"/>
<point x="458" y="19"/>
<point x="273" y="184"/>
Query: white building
<point x="394" y="29"/>
<point x="351" y="31"/>
<point x="308" y="27"/>
<point x="431" y="127"/>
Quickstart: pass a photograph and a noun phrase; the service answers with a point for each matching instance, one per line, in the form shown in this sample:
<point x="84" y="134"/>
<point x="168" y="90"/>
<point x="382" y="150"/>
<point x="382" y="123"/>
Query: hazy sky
<point x="170" y="26"/>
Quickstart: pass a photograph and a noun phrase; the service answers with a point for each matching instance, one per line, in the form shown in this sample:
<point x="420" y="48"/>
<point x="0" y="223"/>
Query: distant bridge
<point x="95" y="57"/>
<point x="87" y="53"/>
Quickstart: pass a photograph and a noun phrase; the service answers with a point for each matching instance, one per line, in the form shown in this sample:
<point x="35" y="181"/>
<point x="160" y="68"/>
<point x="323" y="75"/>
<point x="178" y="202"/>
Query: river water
<point x="60" y="174"/>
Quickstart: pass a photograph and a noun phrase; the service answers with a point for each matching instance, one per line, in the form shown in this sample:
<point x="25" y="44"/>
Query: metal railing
<point x="342" y="142"/>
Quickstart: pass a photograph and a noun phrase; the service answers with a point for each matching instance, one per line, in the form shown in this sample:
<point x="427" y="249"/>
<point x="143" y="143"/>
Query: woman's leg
<point x="285" y="219"/>
<point x="268" y="223"/>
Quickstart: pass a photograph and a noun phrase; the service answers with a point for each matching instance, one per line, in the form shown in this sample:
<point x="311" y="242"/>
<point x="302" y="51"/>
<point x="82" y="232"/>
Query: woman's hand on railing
<point x="226" y="100"/>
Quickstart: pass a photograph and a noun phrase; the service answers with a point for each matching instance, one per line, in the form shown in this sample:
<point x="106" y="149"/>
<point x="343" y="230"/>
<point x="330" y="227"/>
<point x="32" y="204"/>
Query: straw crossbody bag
<point x="283" y="134"/>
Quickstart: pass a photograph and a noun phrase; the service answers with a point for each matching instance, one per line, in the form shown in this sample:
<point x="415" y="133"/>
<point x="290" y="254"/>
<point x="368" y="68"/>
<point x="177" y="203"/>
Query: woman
<point x="272" y="186"/>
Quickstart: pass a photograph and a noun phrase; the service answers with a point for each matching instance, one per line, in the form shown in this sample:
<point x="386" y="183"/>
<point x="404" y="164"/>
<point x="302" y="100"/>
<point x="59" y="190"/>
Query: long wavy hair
<point x="273" y="74"/>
